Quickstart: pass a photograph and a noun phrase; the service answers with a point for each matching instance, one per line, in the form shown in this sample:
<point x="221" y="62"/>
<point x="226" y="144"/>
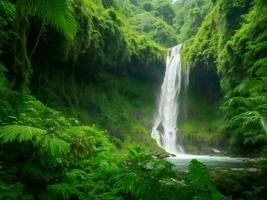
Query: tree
<point x="165" y="11"/>
<point x="58" y="14"/>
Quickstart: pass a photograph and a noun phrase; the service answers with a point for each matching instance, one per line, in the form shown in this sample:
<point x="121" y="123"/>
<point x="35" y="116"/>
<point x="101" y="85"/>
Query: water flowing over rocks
<point x="165" y="128"/>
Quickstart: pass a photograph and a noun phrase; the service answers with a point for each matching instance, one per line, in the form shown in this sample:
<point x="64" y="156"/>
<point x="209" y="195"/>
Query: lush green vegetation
<point x="45" y="155"/>
<point x="78" y="85"/>
<point x="154" y="19"/>
<point x="232" y="41"/>
<point x="189" y="17"/>
<point x="236" y="46"/>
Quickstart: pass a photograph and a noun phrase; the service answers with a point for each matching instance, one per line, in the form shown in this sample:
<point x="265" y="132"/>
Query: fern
<point x="263" y="124"/>
<point x="61" y="190"/>
<point x="53" y="145"/>
<point x="237" y="102"/>
<point x="14" y="191"/>
<point x="57" y="13"/>
<point x="20" y="133"/>
<point x="198" y="174"/>
<point x="77" y="174"/>
<point x="133" y="183"/>
<point x="109" y="196"/>
<point x="39" y="137"/>
<point x="247" y="85"/>
<point x="259" y="67"/>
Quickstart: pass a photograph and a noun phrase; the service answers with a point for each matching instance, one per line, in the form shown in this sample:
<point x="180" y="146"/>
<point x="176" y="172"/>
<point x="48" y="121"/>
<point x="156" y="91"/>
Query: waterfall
<point x="165" y="129"/>
<point x="185" y="76"/>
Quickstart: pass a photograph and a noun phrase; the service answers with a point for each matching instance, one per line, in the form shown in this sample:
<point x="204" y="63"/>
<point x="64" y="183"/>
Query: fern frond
<point x="249" y="84"/>
<point x="251" y="118"/>
<point x="53" y="145"/>
<point x="77" y="174"/>
<point x="109" y="196"/>
<point x="63" y="190"/>
<point x="58" y="13"/>
<point x="238" y="101"/>
<point x="106" y="168"/>
<point x="259" y="67"/>
<point x="39" y="137"/>
<point x="263" y="125"/>
<point x="20" y="133"/>
<point x="129" y="182"/>
<point x="198" y="174"/>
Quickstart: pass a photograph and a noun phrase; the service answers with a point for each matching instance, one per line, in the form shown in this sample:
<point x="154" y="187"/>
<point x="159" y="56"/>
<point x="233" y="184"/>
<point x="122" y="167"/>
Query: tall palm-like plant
<point x="58" y="14"/>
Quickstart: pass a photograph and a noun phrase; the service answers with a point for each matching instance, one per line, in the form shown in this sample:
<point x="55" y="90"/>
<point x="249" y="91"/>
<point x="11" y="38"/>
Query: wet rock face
<point x="200" y="118"/>
<point x="205" y="83"/>
<point x="197" y="144"/>
<point x="164" y="155"/>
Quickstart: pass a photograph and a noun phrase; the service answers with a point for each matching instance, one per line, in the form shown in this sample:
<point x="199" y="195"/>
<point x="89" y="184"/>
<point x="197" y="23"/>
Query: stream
<point x="221" y="163"/>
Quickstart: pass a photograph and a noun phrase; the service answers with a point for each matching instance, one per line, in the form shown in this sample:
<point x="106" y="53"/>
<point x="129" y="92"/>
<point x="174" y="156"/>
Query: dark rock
<point x="164" y="155"/>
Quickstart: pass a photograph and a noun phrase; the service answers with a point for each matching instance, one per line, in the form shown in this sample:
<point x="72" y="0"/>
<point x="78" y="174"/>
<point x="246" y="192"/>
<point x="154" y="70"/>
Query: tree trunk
<point x="22" y="65"/>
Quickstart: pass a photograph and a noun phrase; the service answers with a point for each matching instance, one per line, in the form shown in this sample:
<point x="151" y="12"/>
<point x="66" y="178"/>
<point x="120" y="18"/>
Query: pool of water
<point x="181" y="162"/>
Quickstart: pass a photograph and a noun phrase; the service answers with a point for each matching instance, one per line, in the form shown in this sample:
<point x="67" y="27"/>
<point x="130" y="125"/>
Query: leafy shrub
<point x="48" y="156"/>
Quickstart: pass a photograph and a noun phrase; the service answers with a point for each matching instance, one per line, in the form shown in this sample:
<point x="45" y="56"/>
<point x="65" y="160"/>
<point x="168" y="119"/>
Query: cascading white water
<point x="185" y="77"/>
<point x="165" y="123"/>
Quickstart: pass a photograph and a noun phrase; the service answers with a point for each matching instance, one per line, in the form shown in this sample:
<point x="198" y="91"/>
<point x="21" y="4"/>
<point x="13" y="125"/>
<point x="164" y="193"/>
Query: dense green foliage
<point x="189" y="17"/>
<point x="155" y="19"/>
<point x="236" y="46"/>
<point x="97" y="61"/>
<point x="248" y="89"/>
<point x="45" y="155"/>
<point x="165" y="22"/>
<point x="232" y="41"/>
<point x="78" y="82"/>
